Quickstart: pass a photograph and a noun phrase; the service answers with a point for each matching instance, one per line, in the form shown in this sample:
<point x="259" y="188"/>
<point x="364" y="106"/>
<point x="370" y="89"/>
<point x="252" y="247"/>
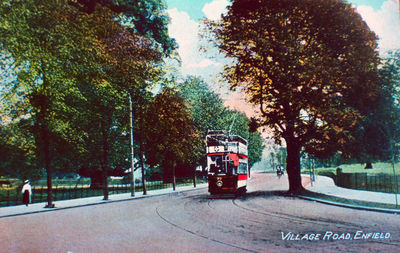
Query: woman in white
<point x="27" y="193"/>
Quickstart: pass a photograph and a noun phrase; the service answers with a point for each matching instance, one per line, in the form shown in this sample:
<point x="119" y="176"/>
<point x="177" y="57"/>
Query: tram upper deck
<point x="218" y="141"/>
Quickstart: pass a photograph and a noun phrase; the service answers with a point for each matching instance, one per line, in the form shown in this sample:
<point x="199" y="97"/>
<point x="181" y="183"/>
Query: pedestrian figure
<point x="26" y="193"/>
<point x="279" y="171"/>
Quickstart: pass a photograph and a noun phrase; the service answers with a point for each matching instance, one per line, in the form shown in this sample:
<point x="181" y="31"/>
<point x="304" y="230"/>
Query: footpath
<point x="326" y="185"/>
<point x="98" y="200"/>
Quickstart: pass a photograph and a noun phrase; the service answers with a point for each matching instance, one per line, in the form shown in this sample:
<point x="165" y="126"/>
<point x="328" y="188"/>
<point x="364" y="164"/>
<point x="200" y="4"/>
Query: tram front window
<point x="216" y="165"/>
<point x="232" y="169"/>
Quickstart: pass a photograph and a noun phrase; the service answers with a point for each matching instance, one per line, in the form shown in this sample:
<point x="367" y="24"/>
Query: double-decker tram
<point x="227" y="162"/>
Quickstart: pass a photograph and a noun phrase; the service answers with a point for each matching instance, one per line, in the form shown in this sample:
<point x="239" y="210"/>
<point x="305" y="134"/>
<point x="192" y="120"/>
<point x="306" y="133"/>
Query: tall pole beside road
<point x="132" y="148"/>
<point x="394" y="172"/>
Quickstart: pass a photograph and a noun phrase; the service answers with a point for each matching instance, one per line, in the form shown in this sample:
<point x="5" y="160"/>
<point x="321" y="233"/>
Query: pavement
<point x="98" y="200"/>
<point x="322" y="184"/>
<point x="326" y="185"/>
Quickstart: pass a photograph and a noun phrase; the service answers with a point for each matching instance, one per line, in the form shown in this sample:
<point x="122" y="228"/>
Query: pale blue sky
<point x="194" y="7"/>
<point x="376" y="4"/>
<point x="381" y="16"/>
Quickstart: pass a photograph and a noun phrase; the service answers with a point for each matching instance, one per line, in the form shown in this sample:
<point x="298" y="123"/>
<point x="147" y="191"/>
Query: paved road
<point x="264" y="220"/>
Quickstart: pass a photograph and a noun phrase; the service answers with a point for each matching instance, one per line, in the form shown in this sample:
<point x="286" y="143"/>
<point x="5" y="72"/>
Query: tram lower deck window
<point x="243" y="168"/>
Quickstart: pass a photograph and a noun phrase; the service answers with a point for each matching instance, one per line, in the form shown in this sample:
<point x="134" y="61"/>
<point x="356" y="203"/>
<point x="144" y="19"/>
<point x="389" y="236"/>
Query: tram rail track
<point x="197" y="206"/>
<point x="302" y="219"/>
<point x="295" y="218"/>
<point x="199" y="234"/>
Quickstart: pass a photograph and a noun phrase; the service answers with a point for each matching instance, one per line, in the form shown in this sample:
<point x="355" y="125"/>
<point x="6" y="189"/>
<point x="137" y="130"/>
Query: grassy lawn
<point x="377" y="168"/>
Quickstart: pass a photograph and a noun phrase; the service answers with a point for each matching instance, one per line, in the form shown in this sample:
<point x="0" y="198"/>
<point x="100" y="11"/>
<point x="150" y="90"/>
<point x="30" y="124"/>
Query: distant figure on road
<point x="26" y="192"/>
<point x="279" y="171"/>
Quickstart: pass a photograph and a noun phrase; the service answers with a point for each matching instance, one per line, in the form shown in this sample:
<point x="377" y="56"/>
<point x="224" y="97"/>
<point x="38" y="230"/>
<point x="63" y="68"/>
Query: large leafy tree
<point x="127" y="63"/>
<point x="378" y="130"/>
<point x="172" y="138"/>
<point x="207" y="108"/>
<point x="147" y="17"/>
<point x="73" y="66"/>
<point x="208" y="112"/>
<point x="72" y="71"/>
<point x="386" y="117"/>
<point x="309" y="65"/>
<point x="35" y="39"/>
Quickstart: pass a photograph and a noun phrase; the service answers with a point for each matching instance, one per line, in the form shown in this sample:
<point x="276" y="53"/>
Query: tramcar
<point x="227" y="163"/>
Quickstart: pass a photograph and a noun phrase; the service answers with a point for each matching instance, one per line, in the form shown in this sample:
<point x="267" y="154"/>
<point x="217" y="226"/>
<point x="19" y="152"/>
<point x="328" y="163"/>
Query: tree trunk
<point x="368" y="165"/>
<point x="105" y="180"/>
<point x="96" y="181"/>
<point x="44" y="128"/>
<point x="49" y="174"/>
<point x="173" y="175"/>
<point x="104" y="162"/>
<point x="194" y="177"/>
<point x="293" y="167"/>
<point x="46" y="147"/>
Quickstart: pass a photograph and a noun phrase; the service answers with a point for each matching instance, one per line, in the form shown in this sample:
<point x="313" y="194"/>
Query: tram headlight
<point x="219" y="183"/>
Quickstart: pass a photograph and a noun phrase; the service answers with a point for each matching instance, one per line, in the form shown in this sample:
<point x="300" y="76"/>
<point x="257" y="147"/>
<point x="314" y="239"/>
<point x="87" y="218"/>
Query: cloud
<point x="385" y="23"/>
<point x="203" y="64"/>
<point x="214" y="9"/>
<point x="185" y="31"/>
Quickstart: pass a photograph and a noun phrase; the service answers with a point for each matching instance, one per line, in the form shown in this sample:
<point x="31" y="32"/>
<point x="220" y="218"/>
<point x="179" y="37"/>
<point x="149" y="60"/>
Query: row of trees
<point x="69" y="67"/>
<point x="68" y="71"/>
<point x="313" y="69"/>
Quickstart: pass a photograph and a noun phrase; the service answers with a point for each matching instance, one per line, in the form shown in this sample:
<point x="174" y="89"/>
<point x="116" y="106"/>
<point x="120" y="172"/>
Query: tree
<point x="385" y="121"/>
<point x="207" y="108"/>
<point x="377" y="131"/>
<point x="73" y="70"/>
<point x="141" y="101"/>
<point x="310" y="66"/>
<point x="255" y="148"/>
<point x="148" y="17"/>
<point x="17" y="147"/>
<point x="208" y="112"/>
<point x="171" y="137"/>
<point x="128" y="64"/>
<point x="35" y="41"/>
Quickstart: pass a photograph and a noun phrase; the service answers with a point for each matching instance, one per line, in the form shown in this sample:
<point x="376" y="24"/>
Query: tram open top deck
<point x="221" y="141"/>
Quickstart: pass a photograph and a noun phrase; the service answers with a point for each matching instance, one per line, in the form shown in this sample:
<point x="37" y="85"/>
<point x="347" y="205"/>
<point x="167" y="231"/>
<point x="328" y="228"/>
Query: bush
<point x="327" y="173"/>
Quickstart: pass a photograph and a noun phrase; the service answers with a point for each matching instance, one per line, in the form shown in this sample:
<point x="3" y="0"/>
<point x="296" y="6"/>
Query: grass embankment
<point x="377" y="168"/>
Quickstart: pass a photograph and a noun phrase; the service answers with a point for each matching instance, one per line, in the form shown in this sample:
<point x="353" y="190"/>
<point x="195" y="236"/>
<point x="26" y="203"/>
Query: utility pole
<point x="394" y="172"/>
<point x="132" y="147"/>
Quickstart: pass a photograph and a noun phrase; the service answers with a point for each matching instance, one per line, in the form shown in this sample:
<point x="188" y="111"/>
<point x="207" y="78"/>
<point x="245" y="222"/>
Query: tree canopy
<point x="208" y="112"/>
<point x="67" y="63"/>
<point x="310" y="66"/>
<point x="172" y="138"/>
<point x="146" y="17"/>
